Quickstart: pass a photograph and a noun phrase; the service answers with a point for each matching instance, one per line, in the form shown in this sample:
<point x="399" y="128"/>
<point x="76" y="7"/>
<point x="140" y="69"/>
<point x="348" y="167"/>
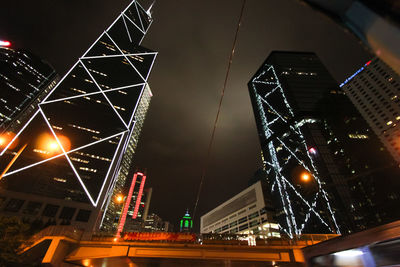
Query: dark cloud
<point x="193" y="39"/>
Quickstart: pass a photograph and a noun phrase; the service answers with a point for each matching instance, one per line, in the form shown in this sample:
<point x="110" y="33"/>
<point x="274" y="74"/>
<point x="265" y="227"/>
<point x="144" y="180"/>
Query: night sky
<point x="194" y="39"/>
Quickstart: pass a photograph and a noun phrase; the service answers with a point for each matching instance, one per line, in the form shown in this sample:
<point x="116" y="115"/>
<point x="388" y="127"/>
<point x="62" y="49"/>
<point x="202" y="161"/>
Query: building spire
<point x="149" y="10"/>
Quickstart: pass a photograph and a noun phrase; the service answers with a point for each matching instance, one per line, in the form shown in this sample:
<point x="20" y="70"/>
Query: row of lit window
<point x="83" y="128"/>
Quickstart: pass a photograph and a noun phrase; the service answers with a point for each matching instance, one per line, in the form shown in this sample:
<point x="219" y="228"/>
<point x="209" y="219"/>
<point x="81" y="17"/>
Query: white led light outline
<point x="94" y="43"/>
<point x="108" y="100"/>
<point x="94" y="203"/>
<point x="151" y="66"/>
<point x="120" y="55"/>
<point x="68" y="159"/>
<point x="131" y="21"/>
<point x="112" y="24"/>
<point x="126" y="28"/>
<point x="59" y="82"/>
<point x="136" y="105"/>
<point x="20" y="131"/>
<point x="149" y="15"/>
<point x="117" y="165"/>
<point x="89" y="94"/>
<point x="144" y="80"/>
<point x="70" y="151"/>
<point x="106" y="178"/>
<point x="140" y="19"/>
<point x="276" y="166"/>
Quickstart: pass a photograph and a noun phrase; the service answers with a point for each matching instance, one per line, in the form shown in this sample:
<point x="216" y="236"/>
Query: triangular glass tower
<point x="73" y="147"/>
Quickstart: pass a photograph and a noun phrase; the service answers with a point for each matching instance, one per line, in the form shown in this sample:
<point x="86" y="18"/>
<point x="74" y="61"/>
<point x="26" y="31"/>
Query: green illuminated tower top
<point x="186" y="224"/>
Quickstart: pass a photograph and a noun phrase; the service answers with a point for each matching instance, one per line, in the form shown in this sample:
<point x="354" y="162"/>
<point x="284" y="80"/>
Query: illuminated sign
<point x="357" y="72"/>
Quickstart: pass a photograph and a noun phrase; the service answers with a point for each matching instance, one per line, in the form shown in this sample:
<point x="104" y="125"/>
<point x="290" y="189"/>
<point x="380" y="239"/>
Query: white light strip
<point x="285" y="198"/>
<point x="109" y="169"/>
<point x="89" y="94"/>
<point x="141" y="30"/>
<point x="94" y="43"/>
<point x="62" y="79"/>
<point x="137" y="104"/>
<point x="69" y="152"/>
<point x="108" y="100"/>
<point x="127" y="59"/>
<point x="123" y="54"/>
<point x="112" y="24"/>
<point x="69" y="161"/>
<point x="126" y="28"/>
<point x="151" y="67"/>
<point x="140" y="18"/>
<point x="20" y="131"/>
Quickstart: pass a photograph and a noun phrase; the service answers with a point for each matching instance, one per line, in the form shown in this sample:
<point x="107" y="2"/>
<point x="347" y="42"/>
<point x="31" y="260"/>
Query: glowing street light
<point x="119" y="198"/>
<point x="305" y="177"/>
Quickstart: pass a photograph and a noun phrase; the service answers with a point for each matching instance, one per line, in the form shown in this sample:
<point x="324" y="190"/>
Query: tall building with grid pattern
<point x="375" y="91"/>
<point x="70" y="158"/>
<point x="326" y="167"/>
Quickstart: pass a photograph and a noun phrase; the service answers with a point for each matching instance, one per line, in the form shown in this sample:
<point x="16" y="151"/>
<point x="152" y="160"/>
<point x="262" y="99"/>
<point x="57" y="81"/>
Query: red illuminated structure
<point x="139" y="197"/>
<point x="127" y="203"/>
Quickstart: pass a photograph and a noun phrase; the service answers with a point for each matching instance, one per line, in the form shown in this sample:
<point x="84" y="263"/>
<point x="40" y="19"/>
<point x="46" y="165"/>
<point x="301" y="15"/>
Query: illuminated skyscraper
<point x="77" y="148"/>
<point x="284" y="94"/>
<point x="374" y="90"/>
<point x="24" y="81"/>
<point x="324" y="162"/>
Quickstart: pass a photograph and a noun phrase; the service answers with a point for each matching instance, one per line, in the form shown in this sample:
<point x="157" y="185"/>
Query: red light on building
<point x="126" y="206"/>
<point x="312" y="151"/>
<point x="369" y="62"/>
<point x="139" y="198"/>
<point x="5" y="43"/>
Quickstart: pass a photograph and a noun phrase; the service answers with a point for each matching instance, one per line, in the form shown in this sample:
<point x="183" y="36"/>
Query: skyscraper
<point x="77" y="147"/>
<point x="284" y="94"/>
<point x="374" y="90"/>
<point x="25" y="80"/>
<point x="322" y="158"/>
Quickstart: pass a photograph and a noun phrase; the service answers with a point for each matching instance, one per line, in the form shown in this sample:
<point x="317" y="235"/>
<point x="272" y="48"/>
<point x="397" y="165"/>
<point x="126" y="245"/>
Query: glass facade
<point x="284" y="94"/>
<point x="23" y="77"/>
<point x="78" y="145"/>
<point x="323" y="136"/>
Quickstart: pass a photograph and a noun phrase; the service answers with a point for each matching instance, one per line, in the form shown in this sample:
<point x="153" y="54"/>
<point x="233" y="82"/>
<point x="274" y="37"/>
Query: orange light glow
<point x="86" y="262"/>
<point x="305" y="177"/>
<point x="6" y="138"/>
<point x="49" y="146"/>
<point x="119" y="198"/>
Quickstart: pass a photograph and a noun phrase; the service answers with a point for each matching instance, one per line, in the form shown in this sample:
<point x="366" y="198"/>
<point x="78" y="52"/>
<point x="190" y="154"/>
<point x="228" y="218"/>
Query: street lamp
<point x="119" y="198"/>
